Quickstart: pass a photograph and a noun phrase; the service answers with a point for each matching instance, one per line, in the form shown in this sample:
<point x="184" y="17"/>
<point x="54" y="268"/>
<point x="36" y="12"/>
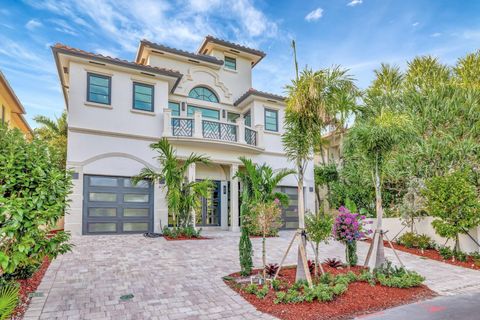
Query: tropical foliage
<point x="32" y="199"/>
<point x="54" y="132"/>
<point x="454" y="201"/>
<point x="8" y="300"/>
<point x="441" y="104"/>
<point x="260" y="182"/>
<point x="183" y="196"/>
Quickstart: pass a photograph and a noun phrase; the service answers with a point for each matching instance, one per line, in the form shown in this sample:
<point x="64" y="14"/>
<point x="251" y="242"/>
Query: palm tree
<point x="259" y="183"/>
<point x="315" y="100"/>
<point x="183" y="196"/>
<point x="377" y="137"/>
<point x="55" y="133"/>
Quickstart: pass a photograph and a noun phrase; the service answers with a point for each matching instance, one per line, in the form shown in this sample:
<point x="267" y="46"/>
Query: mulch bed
<point x="430" y="254"/>
<point x="361" y="298"/>
<point x="186" y="238"/>
<point x="28" y="286"/>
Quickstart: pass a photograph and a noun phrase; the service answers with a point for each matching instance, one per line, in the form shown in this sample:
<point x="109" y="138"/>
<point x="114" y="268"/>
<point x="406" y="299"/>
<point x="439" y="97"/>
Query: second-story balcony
<point x="198" y="129"/>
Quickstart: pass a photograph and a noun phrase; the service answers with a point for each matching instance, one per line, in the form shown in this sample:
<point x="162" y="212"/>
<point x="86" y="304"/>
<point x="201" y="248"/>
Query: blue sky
<point x="356" y="34"/>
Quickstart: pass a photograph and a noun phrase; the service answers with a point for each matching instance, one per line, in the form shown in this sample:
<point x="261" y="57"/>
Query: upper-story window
<point x="247" y="118"/>
<point x="271" y="120"/>
<point x="203" y="93"/>
<point x="99" y="88"/>
<point x="231" y="63"/>
<point x="143" y="96"/>
<point x="175" y="107"/>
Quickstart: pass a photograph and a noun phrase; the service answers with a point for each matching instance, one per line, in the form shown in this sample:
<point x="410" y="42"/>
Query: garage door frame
<point x="120" y="190"/>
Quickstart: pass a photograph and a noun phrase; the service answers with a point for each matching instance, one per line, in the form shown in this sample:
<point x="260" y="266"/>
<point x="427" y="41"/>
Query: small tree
<point x="348" y="229"/>
<point x="319" y="229"/>
<point x="267" y="216"/>
<point x="413" y="203"/>
<point x="33" y="196"/>
<point x="454" y="201"/>
<point x="245" y="244"/>
<point x="183" y="196"/>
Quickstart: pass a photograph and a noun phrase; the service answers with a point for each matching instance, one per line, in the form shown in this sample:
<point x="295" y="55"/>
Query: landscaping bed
<point x="431" y="254"/>
<point x="28" y="286"/>
<point x="186" y="238"/>
<point x="360" y="297"/>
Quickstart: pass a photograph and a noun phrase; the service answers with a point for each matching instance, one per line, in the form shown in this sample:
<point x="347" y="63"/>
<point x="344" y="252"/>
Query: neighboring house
<point x="202" y="102"/>
<point x="11" y="109"/>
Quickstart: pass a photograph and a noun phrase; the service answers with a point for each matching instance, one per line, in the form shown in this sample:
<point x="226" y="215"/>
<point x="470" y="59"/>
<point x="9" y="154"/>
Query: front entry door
<point x="209" y="214"/>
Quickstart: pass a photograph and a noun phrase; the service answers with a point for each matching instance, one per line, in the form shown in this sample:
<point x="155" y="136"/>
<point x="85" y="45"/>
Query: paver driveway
<point x="181" y="279"/>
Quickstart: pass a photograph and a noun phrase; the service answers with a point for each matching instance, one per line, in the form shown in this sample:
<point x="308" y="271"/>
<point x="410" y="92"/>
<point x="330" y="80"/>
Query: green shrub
<point x="252" y="288"/>
<point x="413" y="240"/>
<point x="475" y="255"/>
<point x="367" y="276"/>
<point x="176" y="232"/>
<point x="280" y="297"/>
<point x="262" y="293"/>
<point x="22" y="272"/>
<point x="33" y="196"/>
<point x="276" y="284"/>
<point x="460" y="256"/>
<point x="446" y="253"/>
<point x="407" y="239"/>
<point x="397" y="277"/>
<point x="405" y="280"/>
<point x="327" y="278"/>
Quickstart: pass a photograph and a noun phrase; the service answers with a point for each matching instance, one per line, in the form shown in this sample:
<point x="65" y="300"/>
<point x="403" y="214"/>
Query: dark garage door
<point x="112" y="205"/>
<point x="290" y="213"/>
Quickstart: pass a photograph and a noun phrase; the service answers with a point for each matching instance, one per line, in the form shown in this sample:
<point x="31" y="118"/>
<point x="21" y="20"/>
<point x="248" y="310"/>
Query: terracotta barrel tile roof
<point x="61" y="48"/>
<point x="161" y="47"/>
<point x="254" y="92"/>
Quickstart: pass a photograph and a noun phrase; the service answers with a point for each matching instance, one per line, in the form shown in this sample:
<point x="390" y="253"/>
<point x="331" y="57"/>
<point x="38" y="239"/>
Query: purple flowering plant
<point x="349" y="227"/>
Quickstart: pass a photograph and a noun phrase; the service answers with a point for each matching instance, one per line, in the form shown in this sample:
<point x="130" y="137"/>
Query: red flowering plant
<point x="348" y="228"/>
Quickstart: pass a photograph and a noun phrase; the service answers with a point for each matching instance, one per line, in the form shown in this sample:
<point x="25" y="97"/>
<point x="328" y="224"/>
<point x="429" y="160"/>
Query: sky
<point x="355" y="34"/>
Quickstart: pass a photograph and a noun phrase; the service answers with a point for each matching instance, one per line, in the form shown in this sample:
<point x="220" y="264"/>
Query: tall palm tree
<point x="183" y="196"/>
<point x="377" y="137"/>
<point x="55" y="133"/>
<point x="315" y="100"/>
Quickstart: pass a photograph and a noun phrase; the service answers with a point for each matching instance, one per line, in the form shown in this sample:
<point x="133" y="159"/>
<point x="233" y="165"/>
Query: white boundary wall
<point x="424" y="226"/>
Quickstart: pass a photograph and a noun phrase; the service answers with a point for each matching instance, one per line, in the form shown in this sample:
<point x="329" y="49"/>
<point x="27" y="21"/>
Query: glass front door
<point x="209" y="214"/>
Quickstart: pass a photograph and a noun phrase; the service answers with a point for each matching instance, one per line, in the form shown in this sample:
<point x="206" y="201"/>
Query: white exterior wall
<point x="394" y="226"/>
<point x="114" y="140"/>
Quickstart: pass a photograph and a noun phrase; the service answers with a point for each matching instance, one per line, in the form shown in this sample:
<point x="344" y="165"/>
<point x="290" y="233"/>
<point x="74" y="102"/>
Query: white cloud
<point x="415" y="24"/>
<point x="353" y="3"/>
<point x="436" y="34"/>
<point x="33" y="24"/>
<point x="314" y="15"/>
<point x="182" y="23"/>
<point x="64" y="27"/>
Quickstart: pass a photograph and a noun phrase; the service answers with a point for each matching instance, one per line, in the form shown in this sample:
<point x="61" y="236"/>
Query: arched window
<point x="203" y="93"/>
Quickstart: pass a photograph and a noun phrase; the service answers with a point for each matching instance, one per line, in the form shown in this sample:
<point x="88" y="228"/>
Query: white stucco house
<point x="202" y="102"/>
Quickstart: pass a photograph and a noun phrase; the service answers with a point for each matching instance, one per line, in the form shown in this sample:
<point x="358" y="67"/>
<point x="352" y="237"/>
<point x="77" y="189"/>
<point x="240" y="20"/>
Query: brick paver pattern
<point x="183" y="279"/>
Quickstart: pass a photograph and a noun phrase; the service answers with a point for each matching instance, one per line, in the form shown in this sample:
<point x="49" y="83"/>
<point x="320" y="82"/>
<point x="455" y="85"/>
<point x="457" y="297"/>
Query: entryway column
<point x="234" y="198"/>
<point x="191" y="177"/>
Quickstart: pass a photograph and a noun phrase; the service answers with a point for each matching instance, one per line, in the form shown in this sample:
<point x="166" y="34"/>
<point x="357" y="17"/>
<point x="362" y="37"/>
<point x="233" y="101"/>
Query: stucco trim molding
<point x="113" y="155"/>
<point x="219" y="84"/>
